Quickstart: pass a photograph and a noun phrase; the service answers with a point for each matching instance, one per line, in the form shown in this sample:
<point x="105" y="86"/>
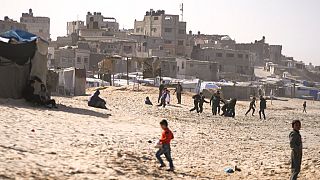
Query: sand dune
<point x="79" y="142"/>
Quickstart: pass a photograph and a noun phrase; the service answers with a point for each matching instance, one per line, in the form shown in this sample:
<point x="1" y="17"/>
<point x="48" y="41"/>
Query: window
<point x="230" y="55"/>
<point x="182" y="31"/>
<point x="138" y="30"/>
<point x="154" y="29"/>
<point x="247" y="56"/>
<point x="86" y="60"/>
<point x="168" y="30"/>
<point x="168" y="18"/>
<point x="182" y="65"/>
<point x="180" y="43"/>
<point x="91" y="19"/>
<point x="173" y="68"/>
<point x="167" y="41"/>
<point x="161" y="48"/>
<point x="79" y="59"/>
<point x="40" y="30"/>
<point x="220" y="68"/>
<point x="155" y="18"/>
<point x="240" y="56"/>
<point x="219" y="54"/>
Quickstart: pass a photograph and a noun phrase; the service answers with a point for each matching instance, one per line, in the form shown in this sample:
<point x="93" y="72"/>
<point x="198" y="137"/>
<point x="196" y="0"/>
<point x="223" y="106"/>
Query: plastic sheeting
<point x="19" y="35"/>
<point x="13" y="79"/>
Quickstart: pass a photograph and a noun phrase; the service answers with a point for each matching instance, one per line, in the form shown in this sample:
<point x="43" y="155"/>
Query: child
<point x="305" y="107"/>
<point x="165" y="139"/>
<point x="147" y="101"/>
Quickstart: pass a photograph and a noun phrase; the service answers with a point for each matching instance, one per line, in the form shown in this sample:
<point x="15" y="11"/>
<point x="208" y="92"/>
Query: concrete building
<point x="9" y="24"/>
<point x="166" y="26"/>
<point x="97" y="21"/>
<point x="260" y="48"/>
<point x="275" y="53"/>
<point x="231" y="63"/>
<point x="74" y="27"/>
<point x="36" y="25"/>
<point x="190" y="69"/>
<point x="71" y="57"/>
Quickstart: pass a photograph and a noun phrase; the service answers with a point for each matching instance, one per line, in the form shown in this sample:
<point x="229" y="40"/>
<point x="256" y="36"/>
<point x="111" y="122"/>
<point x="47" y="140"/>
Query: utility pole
<point x="127" y="70"/>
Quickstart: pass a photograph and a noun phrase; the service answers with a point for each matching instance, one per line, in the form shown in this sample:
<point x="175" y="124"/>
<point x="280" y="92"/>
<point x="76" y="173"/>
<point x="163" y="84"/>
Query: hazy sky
<point x="295" y="24"/>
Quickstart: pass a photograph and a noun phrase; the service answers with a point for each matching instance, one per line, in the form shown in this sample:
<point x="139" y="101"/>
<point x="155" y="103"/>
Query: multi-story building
<point x="231" y="63"/>
<point x="72" y="57"/>
<point x="275" y="53"/>
<point x="36" y="25"/>
<point x="97" y="21"/>
<point x="74" y="27"/>
<point x="166" y="26"/>
<point x="9" y="24"/>
<point x="204" y="70"/>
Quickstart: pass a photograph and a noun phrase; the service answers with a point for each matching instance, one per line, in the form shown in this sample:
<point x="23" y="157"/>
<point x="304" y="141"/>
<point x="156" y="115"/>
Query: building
<point x="37" y="25"/>
<point x="166" y="26"/>
<point x="231" y="63"/>
<point x="275" y="53"/>
<point x="71" y="56"/>
<point x="260" y="48"/>
<point x="9" y="24"/>
<point x="190" y="69"/>
<point x="97" y="21"/>
<point x="74" y="27"/>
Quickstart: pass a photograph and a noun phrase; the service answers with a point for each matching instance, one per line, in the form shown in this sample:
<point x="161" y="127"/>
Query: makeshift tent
<point x="22" y="56"/>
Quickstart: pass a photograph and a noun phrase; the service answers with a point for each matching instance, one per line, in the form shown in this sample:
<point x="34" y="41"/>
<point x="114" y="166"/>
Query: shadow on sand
<point x="62" y="108"/>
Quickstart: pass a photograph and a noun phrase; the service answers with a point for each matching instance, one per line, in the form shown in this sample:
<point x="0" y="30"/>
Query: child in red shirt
<point x="165" y="139"/>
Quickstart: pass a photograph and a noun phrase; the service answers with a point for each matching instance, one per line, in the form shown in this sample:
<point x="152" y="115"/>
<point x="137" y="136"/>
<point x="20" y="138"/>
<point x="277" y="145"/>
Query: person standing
<point x="161" y="88"/>
<point x="165" y="149"/>
<point x="196" y="100"/>
<point x="305" y="107"/>
<point x="263" y="106"/>
<point x="296" y="149"/>
<point x="163" y="97"/>
<point x="178" y="90"/>
<point x="215" y="103"/>
<point x="252" y="106"/>
<point x="202" y="100"/>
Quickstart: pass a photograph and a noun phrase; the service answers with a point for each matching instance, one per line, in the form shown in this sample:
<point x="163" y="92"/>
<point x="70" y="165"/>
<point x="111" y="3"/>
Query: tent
<point x="22" y="56"/>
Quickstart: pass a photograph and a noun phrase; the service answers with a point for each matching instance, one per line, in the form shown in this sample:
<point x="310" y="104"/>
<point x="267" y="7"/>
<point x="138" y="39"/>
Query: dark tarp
<point x="18" y="53"/>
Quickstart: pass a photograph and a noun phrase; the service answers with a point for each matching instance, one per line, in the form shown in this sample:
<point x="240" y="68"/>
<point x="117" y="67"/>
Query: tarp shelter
<point x="72" y="82"/>
<point x="22" y="56"/>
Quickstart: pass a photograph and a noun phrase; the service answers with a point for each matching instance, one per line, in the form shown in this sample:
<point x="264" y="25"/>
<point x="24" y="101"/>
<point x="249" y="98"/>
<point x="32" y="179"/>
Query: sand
<point x="80" y="142"/>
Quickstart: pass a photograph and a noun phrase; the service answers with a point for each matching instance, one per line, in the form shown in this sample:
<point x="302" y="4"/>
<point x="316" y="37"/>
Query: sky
<point x="294" y="24"/>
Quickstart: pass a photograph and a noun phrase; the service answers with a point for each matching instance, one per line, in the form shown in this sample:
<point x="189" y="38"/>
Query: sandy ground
<point x="78" y="142"/>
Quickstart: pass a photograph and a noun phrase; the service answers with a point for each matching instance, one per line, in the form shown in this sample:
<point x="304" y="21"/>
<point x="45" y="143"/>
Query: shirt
<point x="166" y="136"/>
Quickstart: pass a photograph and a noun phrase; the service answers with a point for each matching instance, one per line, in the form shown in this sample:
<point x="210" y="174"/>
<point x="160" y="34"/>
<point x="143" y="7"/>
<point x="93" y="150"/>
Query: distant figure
<point x="202" y="100"/>
<point x="96" y="101"/>
<point x="178" y="90"/>
<point x="147" y="101"/>
<point x="229" y="108"/>
<point x="263" y="106"/>
<point x="224" y="107"/>
<point x="215" y="103"/>
<point x="305" y="107"/>
<point x="161" y="88"/>
<point x="163" y="97"/>
<point x="45" y="98"/>
<point x="168" y="98"/>
<point x="252" y="106"/>
<point x="28" y="93"/>
<point x="165" y="149"/>
<point x="196" y="100"/>
<point x="296" y="149"/>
